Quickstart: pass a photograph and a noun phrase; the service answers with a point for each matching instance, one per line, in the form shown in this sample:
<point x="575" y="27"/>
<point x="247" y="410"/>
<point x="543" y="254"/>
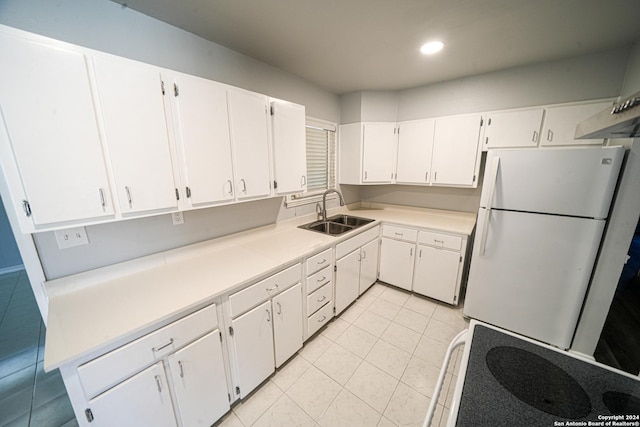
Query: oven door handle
<point x="459" y="340"/>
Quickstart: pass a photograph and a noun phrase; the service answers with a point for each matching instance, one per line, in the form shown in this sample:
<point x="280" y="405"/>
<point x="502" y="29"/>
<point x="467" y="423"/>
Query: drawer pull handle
<point x="399" y="234"/>
<point x="324" y="297"/>
<point x="323" y="319"/>
<point x="323" y="261"/>
<point x="158" y="383"/>
<point x="157" y="349"/>
<point x="181" y="369"/>
<point x="273" y="289"/>
<point x="322" y="279"/>
<point x="438" y="241"/>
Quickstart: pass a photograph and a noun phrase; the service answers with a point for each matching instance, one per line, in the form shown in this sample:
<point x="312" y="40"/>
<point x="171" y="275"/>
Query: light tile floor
<point x="375" y="365"/>
<point x="28" y="395"/>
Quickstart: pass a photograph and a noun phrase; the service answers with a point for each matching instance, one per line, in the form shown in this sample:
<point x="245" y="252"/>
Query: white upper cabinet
<point x="51" y="132"/>
<point x="560" y="123"/>
<point x="131" y="100"/>
<point x="513" y="129"/>
<point x="201" y="121"/>
<point x="415" y="146"/>
<point x="250" y="142"/>
<point x="456" y="154"/>
<point x="379" y="149"/>
<point x="367" y="153"/>
<point x="289" y="147"/>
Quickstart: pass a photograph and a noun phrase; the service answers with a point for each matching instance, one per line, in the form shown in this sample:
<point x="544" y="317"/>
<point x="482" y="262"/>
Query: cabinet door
<point x="289" y="147"/>
<point x="368" y="265"/>
<point x="347" y="280"/>
<point x="437" y="274"/>
<point x="143" y="399"/>
<point x="202" y="122"/>
<point x="513" y="129"/>
<point x="560" y="124"/>
<point x="415" y="146"/>
<point x="51" y="125"/>
<point x="132" y="102"/>
<point x="455" y="150"/>
<point x="378" y="152"/>
<point x="253" y="342"/>
<point x="287" y="323"/>
<point x="198" y="377"/>
<point x="249" y="137"/>
<point x="396" y="262"/>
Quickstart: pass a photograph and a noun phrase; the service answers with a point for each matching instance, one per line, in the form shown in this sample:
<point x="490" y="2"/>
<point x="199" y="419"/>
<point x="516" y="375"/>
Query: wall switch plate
<point x="177" y="218"/>
<point x="71" y="237"/>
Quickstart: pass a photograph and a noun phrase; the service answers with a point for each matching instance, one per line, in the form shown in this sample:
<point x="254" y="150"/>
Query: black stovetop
<point x="510" y="381"/>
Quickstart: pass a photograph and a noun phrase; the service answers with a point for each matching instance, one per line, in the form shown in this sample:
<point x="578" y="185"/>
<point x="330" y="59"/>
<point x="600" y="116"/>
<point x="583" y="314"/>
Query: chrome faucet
<point x="324" y="202"/>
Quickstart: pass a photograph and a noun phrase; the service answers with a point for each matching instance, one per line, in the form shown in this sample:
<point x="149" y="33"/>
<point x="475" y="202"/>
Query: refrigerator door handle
<point x="493" y="177"/>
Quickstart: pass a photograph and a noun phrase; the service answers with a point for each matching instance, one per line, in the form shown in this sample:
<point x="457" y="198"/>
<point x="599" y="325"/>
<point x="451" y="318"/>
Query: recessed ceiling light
<point x="431" y="47"/>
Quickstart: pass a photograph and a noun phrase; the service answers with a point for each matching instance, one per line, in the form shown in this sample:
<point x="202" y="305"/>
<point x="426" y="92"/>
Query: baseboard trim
<point x="11" y="269"/>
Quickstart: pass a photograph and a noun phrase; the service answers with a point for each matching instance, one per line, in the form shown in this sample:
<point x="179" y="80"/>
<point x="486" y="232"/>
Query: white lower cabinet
<point x="397" y="254"/>
<point x="175" y="376"/>
<point x="426" y="262"/>
<point x="287" y="323"/>
<point x="199" y="382"/>
<point x="347" y="280"/>
<point x="143" y="400"/>
<point x="356" y="267"/>
<point x="437" y="272"/>
<point x="253" y="341"/>
<point x="266" y="336"/>
<point x="368" y="265"/>
<point x="396" y="262"/>
<point x="319" y="291"/>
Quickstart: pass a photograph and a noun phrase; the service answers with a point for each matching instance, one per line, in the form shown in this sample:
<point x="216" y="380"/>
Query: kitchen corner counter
<point x="104" y="308"/>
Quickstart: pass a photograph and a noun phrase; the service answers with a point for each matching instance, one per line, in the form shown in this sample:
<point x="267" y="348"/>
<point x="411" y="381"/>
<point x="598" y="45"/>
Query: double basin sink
<point x="337" y="224"/>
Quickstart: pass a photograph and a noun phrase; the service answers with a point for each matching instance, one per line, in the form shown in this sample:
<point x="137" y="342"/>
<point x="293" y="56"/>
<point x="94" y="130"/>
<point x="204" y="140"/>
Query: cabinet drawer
<point x="319" y="298"/>
<point x="249" y="297"/>
<point x="318" y="261"/>
<point x="355" y="242"/>
<point x="320" y="278"/>
<point x="440" y="240"/>
<point x="399" y="233"/>
<point x="319" y="318"/>
<point x="111" y="368"/>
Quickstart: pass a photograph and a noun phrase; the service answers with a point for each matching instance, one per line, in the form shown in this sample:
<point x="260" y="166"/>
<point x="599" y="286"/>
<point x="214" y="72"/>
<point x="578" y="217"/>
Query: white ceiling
<point x="350" y="45"/>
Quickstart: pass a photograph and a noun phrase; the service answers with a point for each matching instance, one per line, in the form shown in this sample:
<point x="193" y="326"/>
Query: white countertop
<point x="107" y="307"/>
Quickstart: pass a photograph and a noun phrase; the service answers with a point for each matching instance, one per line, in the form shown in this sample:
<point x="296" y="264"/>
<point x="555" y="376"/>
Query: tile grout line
<point x="13" y="291"/>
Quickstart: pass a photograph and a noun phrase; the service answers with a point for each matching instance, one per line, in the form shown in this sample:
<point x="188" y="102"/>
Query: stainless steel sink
<point x="337" y="224"/>
<point x="353" y="221"/>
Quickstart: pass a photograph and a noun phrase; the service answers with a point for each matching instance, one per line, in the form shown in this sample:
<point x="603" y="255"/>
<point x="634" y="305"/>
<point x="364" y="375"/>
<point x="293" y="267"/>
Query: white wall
<point x="594" y="76"/>
<point x="632" y="78"/>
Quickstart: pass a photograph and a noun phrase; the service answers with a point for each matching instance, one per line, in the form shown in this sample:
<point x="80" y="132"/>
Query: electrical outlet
<point x="71" y="237"/>
<point x="177" y="218"/>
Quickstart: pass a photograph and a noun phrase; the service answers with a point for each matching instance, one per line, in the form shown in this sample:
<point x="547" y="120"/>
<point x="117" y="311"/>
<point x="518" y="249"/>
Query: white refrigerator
<point x="541" y="218"/>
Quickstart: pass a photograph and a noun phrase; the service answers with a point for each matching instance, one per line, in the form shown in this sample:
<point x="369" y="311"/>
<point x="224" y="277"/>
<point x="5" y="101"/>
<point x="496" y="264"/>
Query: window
<point x="321" y="161"/>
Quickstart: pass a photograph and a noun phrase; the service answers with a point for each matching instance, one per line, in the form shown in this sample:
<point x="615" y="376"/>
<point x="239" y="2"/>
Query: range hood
<point x="620" y="121"/>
